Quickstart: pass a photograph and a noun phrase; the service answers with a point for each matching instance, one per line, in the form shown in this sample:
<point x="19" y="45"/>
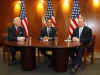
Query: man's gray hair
<point x="16" y="18"/>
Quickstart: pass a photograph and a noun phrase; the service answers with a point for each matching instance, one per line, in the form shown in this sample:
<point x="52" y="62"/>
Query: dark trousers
<point x="43" y="51"/>
<point x="50" y="57"/>
<point x="76" y="55"/>
<point x="13" y="53"/>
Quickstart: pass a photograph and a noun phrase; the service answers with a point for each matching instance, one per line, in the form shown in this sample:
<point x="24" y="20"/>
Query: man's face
<point x="81" y="22"/>
<point x="49" y="23"/>
<point x="17" y="21"/>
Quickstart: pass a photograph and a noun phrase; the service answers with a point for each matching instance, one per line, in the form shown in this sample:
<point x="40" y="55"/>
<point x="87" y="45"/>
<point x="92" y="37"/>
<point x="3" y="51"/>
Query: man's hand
<point x="45" y="38"/>
<point x="20" y="38"/>
<point x="75" y="39"/>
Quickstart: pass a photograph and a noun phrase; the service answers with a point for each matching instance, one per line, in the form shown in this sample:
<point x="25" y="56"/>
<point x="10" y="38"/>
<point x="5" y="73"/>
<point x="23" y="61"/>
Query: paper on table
<point x="67" y="40"/>
<point x="21" y="39"/>
<point x="46" y="40"/>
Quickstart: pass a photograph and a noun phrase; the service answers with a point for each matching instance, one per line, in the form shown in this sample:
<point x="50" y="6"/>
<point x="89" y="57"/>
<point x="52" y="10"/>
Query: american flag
<point x="75" y="16"/>
<point x="49" y="15"/>
<point x="23" y="17"/>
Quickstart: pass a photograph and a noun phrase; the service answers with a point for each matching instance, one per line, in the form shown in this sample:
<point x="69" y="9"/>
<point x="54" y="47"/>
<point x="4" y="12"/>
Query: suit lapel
<point x="78" y="32"/>
<point x="46" y="31"/>
<point x="82" y="32"/>
<point x="48" y="34"/>
<point x="14" y="29"/>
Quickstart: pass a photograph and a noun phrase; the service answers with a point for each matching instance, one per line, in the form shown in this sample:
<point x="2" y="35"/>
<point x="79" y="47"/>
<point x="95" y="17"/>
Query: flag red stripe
<point x="24" y="27"/>
<point x="70" y="33"/>
<point x="26" y="24"/>
<point x="53" y="22"/>
<point x="72" y="26"/>
<point x="75" y="23"/>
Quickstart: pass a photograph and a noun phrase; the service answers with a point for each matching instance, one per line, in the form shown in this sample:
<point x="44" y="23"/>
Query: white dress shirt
<point x="48" y="31"/>
<point x="16" y="27"/>
<point x="80" y="31"/>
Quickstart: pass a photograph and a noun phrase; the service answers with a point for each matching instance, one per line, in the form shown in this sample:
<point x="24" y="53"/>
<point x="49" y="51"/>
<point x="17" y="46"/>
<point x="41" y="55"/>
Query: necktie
<point x="17" y="30"/>
<point x="80" y="31"/>
<point x="48" y="31"/>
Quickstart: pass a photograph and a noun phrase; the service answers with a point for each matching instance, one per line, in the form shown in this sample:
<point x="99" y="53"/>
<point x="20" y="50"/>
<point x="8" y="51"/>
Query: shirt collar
<point x="48" y="28"/>
<point x="15" y="27"/>
<point x="81" y="27"/>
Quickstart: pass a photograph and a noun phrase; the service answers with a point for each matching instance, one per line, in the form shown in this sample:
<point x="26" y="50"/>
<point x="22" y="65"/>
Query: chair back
<point x="90" y="46"/>
<point x="89" y="49"/>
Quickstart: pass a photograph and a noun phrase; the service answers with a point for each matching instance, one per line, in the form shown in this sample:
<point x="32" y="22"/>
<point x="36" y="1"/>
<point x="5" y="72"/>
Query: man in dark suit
<point x="84" y="35"/>
<point x="15" y="33"/>
<point x="47" y="33"/>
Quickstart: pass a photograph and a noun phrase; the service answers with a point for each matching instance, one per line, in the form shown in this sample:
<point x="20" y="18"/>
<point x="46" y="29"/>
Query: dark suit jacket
<point x="86" y="35"/>
<point x="12" y="34"/>
<point x="52" y="33"/>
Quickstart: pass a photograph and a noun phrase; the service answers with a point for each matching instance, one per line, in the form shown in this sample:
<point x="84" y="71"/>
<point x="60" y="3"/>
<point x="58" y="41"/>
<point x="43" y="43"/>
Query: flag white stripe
<point x="53" y="19"/>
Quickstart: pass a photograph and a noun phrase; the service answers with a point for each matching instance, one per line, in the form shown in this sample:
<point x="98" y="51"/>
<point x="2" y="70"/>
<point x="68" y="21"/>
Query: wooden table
<point x="28" y="52"/>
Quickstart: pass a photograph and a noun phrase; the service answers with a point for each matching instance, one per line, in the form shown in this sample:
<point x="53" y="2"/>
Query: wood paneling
<point x="92" y="17"/>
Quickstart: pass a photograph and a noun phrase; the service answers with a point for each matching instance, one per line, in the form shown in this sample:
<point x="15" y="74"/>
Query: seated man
<point x="47" y="33"/>
<point x="84" y="35"/>
<point x="15" y="33"/>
